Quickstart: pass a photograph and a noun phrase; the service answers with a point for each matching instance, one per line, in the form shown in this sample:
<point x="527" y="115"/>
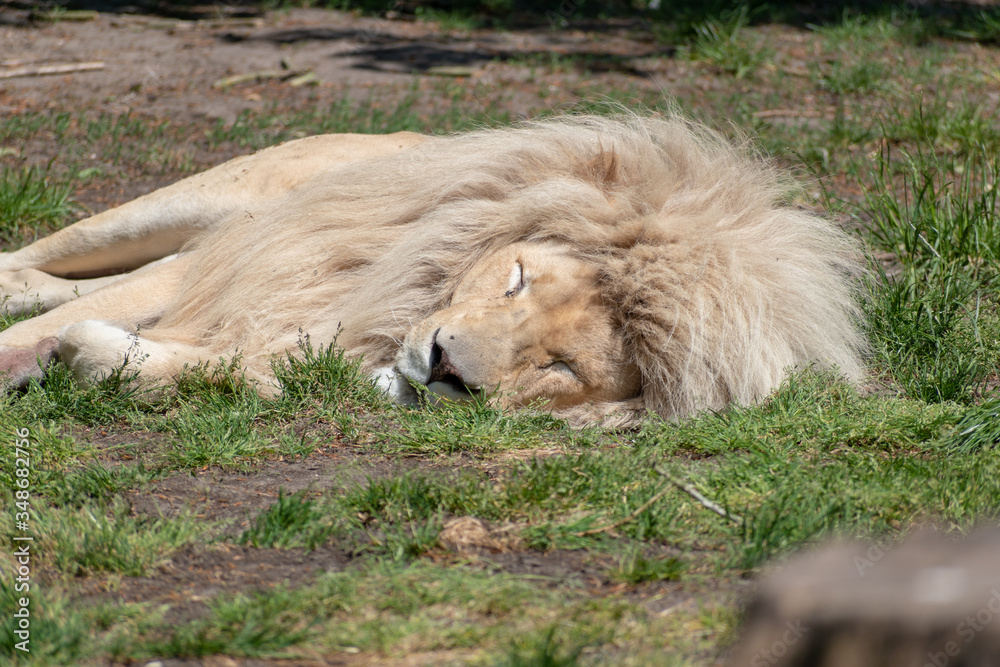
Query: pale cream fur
<point x="715" y="285"/>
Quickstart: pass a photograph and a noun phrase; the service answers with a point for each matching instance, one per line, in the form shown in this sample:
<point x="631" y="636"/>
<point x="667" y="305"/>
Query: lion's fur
<point x="719" y="284"/>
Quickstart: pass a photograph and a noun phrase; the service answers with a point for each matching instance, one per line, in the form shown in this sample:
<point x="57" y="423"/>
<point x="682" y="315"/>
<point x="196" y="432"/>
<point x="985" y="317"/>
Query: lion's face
<point x="526" y="324"/>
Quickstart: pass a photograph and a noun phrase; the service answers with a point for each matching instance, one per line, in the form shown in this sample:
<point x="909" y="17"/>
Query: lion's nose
<point x="442" y="370"/>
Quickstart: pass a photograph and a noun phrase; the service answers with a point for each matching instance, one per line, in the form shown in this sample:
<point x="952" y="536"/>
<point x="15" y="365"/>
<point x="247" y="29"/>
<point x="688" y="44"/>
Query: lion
<point x="600" y="267"/>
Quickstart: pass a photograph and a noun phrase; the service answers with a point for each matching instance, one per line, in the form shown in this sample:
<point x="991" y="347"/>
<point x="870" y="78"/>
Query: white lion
<point x="606" y="266"/>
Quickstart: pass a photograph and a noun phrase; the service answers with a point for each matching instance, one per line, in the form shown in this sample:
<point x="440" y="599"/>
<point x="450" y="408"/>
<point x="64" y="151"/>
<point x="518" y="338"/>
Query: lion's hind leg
<point x="134" y="300"/>
<point x="162" y="222"/>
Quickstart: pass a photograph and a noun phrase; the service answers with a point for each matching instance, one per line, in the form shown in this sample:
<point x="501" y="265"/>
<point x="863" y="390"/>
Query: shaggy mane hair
<point x="718" y="284"/>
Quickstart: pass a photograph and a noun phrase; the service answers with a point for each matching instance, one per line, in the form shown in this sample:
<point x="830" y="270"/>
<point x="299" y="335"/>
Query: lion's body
<point x="708" y="285"/>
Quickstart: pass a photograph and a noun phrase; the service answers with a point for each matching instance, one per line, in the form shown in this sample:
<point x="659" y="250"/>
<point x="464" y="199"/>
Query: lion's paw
<point x="94" y="350"/>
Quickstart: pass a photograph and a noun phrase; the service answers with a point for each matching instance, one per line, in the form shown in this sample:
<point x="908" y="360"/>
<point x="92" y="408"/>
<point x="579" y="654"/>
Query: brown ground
<point x="195" y="574"/>
<point x="163" y="67"/>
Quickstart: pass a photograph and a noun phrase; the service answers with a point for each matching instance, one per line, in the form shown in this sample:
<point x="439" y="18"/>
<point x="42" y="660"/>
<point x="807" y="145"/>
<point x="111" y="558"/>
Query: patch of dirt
<point x="196" y="574"/>
<point x="497" y="549"/>
<point x="593" y="573"/>
<point x="220" y="495"/>
<point x="167" y="68"/>
<point x="217" y="495"/>
<point x="116" y="445"/>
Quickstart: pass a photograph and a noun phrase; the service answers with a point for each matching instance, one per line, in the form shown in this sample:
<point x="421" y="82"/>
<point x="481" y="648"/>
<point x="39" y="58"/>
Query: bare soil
<point x="163" y="67"/>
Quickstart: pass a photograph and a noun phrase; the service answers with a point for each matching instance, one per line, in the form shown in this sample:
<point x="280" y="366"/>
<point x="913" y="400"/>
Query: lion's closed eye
<point x="559" y="366"/>
<point x="516" y="281"/>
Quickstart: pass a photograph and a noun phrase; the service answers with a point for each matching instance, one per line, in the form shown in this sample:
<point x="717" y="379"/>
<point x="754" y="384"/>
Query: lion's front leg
<point x="136" y="300"/>
<point x="94" y="350"/>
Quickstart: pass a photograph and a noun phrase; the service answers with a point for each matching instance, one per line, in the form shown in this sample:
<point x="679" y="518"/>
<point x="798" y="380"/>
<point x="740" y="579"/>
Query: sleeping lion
<point x="603" y="267"/>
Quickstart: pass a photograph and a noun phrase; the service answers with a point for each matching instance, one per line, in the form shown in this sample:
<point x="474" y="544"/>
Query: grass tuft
<point x="543" y="649"/>
<point x="724" y="42"/>
<point x="254" y="624"/>
<point x="636" y="568"/>
<point x="31" y="200"/>
<point x="977" y="430"/>
<point x="90" y="539"/>
<point x="326" y="376"/>
<point x="939" y="218"/>
<point x="472" y="426"/>
<point x="295" y="520"/>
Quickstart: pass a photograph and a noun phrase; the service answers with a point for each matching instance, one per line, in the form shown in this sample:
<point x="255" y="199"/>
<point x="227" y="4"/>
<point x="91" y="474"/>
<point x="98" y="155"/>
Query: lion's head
<point x="527" y="323"/>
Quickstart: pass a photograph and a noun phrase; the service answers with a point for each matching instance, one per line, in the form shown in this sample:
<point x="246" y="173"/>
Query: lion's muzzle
<point x="428" y="364"/>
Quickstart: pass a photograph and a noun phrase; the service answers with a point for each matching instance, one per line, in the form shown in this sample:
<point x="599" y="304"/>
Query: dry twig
<point x="298" y="77"/>
<point x="46" y="70"/>
<point x="694" y="493"/>
<point x="672" y="481"/>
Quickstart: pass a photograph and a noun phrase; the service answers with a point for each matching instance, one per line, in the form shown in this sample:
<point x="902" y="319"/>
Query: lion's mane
<point x="718" y="283"/>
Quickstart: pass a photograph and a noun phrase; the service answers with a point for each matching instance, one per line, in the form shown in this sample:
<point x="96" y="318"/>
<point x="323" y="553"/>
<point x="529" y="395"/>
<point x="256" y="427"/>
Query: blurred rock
<point x="931" y="601"/>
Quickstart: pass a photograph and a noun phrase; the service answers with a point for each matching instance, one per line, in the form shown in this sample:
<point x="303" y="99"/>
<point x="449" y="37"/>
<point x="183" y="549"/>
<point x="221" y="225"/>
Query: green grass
<point x="635" y="568"/>
<point x="254" y="624"/>
<point x="30" y="200"/>
<point x="92" y="539"/>
<point x="292" y="521"/>
<point x="475" y="426"/>
<point x="977" y="430"/>
<point x="543" y="649"/>
<point x="937" y="211"/>
<point x="453" y="20"/>
<point x="724" y="42"/>
<point x="324" y="374"/>
<point x="63" y="633"/>
<point x="861" y="78"/>
<point x="101" y="145"/>
<point x="935" y="319"/>
<point x="419" y="606"/>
